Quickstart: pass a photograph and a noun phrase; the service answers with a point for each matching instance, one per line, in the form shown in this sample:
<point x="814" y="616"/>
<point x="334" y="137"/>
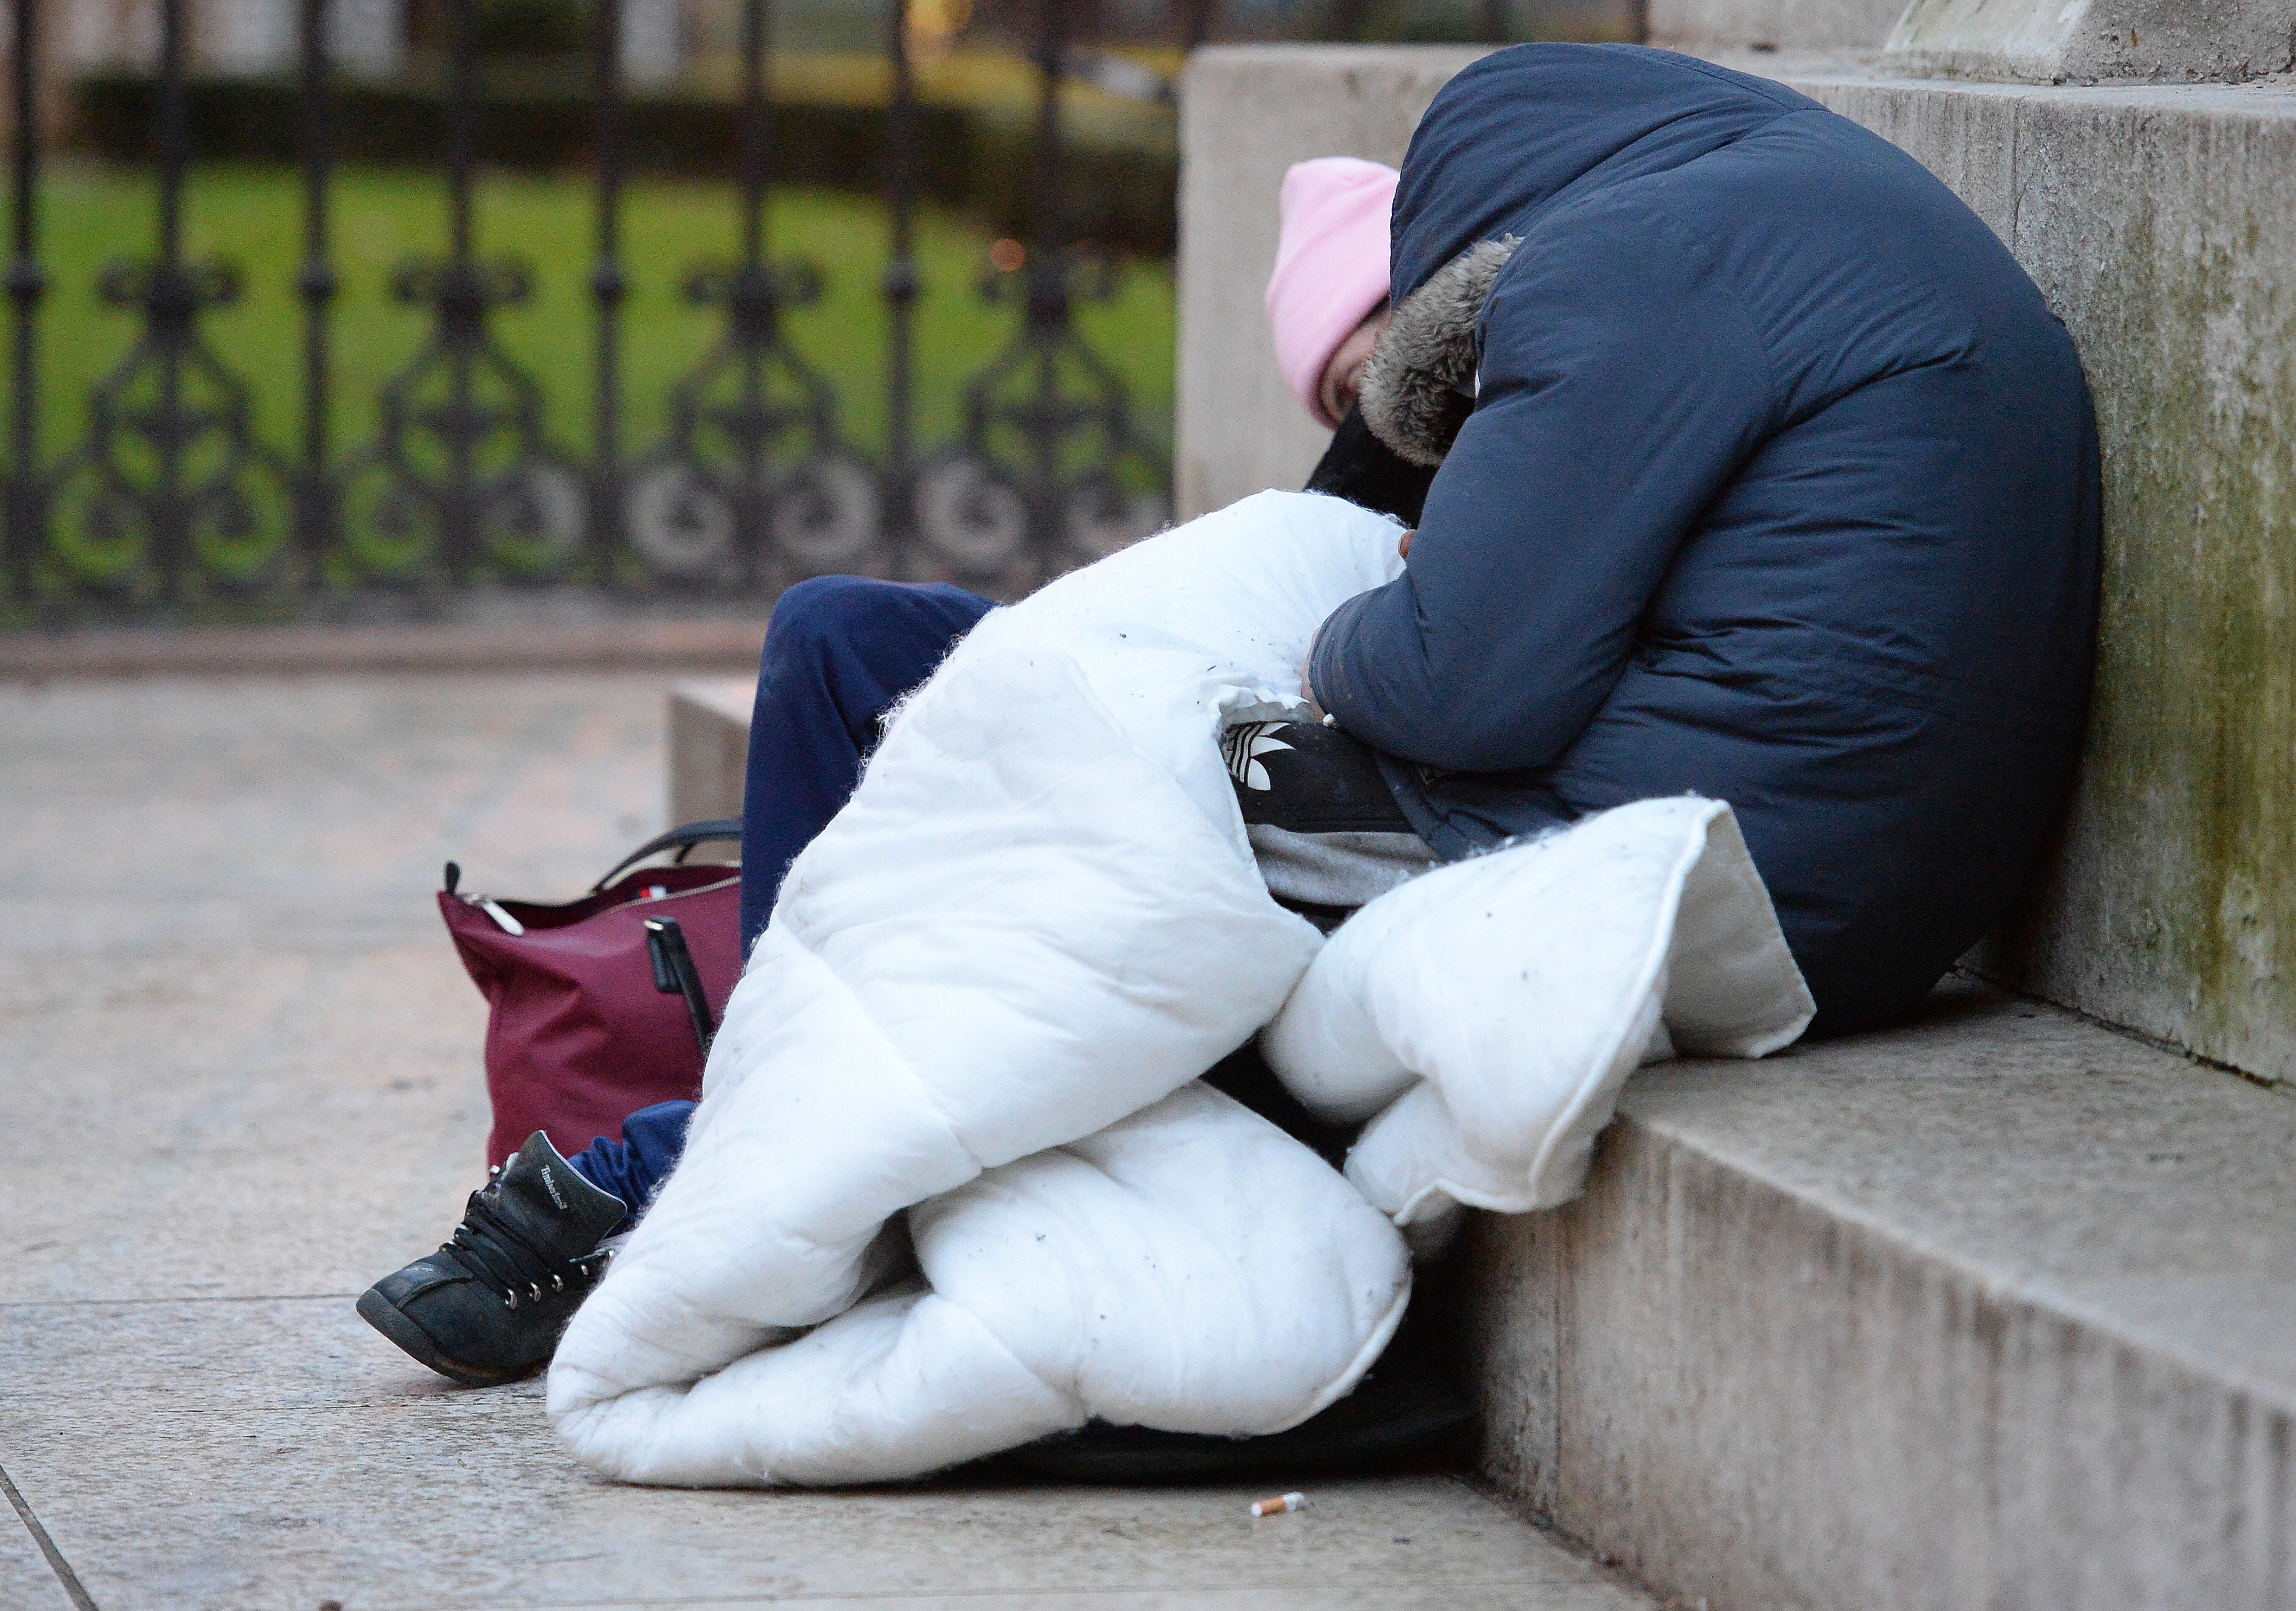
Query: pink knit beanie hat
<point x="1330" y="264"/>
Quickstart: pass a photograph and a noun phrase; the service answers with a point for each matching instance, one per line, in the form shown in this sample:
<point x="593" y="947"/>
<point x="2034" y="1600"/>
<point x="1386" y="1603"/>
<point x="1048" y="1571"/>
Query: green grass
<point x="252" y="218"/>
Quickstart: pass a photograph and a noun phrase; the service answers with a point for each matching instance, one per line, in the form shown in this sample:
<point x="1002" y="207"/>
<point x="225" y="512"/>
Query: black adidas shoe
<point x="487" y="1307"/>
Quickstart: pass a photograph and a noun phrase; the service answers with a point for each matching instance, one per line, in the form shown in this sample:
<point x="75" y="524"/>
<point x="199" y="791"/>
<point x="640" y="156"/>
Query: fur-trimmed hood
<point x="1419" y="386"/>
<point x="1778" y="484"/>
<point x="1514" y="136"/>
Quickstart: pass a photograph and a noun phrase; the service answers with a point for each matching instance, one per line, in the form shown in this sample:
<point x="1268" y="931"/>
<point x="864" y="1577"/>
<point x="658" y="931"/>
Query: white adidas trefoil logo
<point x="1244" y="744"/>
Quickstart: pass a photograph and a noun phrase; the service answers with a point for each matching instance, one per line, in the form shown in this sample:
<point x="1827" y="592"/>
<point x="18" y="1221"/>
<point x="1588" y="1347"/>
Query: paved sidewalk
<point x="238" y="1064"/>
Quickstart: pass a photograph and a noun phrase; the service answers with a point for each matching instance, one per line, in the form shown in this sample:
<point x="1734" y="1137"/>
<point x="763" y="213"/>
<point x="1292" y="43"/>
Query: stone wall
<point x="2161" y="223"/>
<point x="2042" y="40"/>
<point x="1248" y="112"/>
<point x="1700" y="26"/>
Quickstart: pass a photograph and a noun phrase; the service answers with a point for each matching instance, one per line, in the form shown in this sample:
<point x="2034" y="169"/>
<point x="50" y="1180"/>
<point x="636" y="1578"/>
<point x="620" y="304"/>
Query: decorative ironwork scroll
<point x="752" y="484"/>
<point x="1052" y="472"/>
<point x="170" y="499"/>
<point x="461" y="481"/>
<point x="166" y="500"/>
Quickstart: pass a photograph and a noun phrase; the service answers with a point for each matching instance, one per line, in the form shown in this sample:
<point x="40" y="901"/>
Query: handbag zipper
<point x="512" y="925"/>
<point x="493" y="909"/>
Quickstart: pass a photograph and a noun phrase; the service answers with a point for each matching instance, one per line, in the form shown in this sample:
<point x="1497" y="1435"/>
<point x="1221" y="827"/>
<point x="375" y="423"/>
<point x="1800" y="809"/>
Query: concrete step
<point x="708" y="745"/>
<point x="1996" y="1310"/>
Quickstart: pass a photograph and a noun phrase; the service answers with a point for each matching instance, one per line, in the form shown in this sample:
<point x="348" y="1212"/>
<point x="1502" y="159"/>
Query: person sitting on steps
<point x="841" y="652"/>
<point x="1766" y="475"/>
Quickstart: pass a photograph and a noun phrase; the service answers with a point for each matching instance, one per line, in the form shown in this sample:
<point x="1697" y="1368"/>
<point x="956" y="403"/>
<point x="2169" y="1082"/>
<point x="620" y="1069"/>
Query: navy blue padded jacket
<point x="1780" y="486"/>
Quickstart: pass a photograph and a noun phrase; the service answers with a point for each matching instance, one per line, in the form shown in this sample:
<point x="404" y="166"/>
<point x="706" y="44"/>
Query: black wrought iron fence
<point x="169" y="500"/>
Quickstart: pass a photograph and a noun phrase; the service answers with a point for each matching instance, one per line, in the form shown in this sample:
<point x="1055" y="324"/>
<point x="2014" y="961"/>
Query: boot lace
<point x="488" y="1245"/>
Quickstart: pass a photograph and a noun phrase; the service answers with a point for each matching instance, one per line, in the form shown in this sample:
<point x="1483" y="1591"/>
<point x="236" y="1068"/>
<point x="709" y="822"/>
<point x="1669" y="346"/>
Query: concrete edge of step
<point x="1990" y="1305"/>
<point x="1897" y="1241"/>
<point x="627" y="646"/>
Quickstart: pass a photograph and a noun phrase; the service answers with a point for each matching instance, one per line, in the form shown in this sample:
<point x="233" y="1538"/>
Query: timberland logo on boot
<point x="551" y="1187"/>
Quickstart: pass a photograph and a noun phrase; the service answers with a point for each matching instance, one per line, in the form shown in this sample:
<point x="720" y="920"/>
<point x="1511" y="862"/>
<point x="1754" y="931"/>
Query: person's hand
<point x="1306" y="687"/>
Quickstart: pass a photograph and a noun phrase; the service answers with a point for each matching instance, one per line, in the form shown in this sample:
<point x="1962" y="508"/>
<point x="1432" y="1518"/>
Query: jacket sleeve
<point x="1621" y="387"/>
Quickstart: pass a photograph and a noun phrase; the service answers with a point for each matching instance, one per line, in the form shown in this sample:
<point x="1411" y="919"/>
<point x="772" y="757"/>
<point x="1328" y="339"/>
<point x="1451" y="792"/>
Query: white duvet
<point x="952" y="1184"/>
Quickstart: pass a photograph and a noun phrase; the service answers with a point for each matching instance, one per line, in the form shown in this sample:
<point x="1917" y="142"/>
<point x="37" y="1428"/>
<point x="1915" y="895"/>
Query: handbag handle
<point x="681" y="838"/>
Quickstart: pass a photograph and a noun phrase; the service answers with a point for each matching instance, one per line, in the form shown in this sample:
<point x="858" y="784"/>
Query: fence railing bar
<point x="750" y="296"/>
<point x="1196" y="18"/>
<point x="174" y="132"/>
<point x="757" y="24"/>
<point x="902" y="285"/>
<point x="1049" y="267"/>
<point x="463" y="307"/>
<point x="315" y="283"/>
<point x="171" y="309"/>
<point x="609" y="286"/>
<point x="1049" y="223"/>
<point x="27" y="282"/>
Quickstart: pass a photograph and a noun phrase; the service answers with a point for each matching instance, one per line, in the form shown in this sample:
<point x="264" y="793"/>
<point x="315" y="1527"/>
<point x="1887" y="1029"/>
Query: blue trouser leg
<point x="634" y="1167"/>
<point x="839" y="651"/>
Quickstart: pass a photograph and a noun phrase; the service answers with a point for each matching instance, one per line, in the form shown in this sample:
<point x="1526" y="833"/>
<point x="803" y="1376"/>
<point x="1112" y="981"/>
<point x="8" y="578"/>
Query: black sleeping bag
<point x="1776" y="483"/>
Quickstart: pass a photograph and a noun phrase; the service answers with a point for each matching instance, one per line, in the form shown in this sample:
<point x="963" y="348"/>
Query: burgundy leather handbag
<point x="605" y="1005"/>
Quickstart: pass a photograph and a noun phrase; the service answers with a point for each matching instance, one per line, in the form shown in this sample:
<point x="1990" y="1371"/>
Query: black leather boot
<point x="487" y="1306"/>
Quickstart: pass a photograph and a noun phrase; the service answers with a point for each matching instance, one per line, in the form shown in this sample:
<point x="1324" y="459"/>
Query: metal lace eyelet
<point x="534" y="1291"/>
<point x="557" y="1284"/>
<point x="511" y="1301"/>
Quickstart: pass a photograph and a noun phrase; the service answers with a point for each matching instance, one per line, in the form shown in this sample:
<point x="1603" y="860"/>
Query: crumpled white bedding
<point x="1483" y="1016"/>
<point x="972" y="1030"/>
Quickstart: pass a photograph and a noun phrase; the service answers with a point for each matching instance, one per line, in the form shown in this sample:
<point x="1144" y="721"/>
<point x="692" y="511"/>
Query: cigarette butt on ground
<point x="1279" y="1504"/>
